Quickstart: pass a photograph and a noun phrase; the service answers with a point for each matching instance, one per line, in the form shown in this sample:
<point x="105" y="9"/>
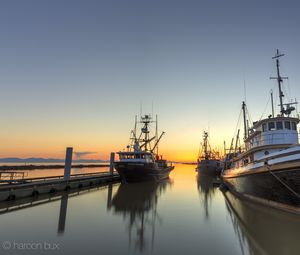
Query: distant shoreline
<point x="39" y="167"/>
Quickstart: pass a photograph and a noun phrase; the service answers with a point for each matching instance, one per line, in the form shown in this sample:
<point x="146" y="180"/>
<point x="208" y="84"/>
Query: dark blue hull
<point x="131" y="172"/>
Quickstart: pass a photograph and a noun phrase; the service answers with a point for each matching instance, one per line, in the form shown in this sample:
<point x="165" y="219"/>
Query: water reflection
<point x="62" y="213"/>
<point x="137" y="204"/>
<point x="206" y="188"/>
<point x="262" y="230"/>
<point x="63" y="196"/>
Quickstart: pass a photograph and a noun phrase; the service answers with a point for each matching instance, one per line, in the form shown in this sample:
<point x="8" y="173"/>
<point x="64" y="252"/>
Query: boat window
<point x="264" y="127"/>
<point x="137" y="156"/>
<point x="287" y="125"/>
<point x="294" y="126"/>
<point x="271" y="126"/>
<point x="279" y="125"/>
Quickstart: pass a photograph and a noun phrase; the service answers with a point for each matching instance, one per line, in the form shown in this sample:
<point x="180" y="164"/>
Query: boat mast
<point x="272" y="103"/>
<point x="245" y="121"/>
<point x="156" y="134"/>
<point x="237" y="141"/>
<point x="205" y="136"/>
<point x="135" y="122"/>
<point x="145" y="120"/>
<point x="279" y="81"/>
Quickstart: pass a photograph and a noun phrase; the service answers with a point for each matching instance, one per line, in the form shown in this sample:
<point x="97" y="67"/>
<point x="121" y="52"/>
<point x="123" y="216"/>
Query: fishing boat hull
<point x="137" y="172"/>
<point x="209" y="167"/>
<point x="278" y="188"/>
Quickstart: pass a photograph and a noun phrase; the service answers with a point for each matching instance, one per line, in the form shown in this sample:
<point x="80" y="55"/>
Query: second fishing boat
<point x="141" y="161"/>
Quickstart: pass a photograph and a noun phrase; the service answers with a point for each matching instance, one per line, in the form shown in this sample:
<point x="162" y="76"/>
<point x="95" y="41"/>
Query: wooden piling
<point x="68" y="163"/>
<point x="112" y="160"/>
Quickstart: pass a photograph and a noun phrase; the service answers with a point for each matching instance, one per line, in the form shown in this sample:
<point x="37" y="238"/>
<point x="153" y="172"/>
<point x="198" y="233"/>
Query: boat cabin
<point x="137" y="156"/>
<point x="271" y="135"/>
<point x="272" y="131"/>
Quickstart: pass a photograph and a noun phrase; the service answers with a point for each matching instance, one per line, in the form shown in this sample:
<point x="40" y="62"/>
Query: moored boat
<point x="141" y="161"/>
<point x="208" y="162"/>
<point x="267" y="168"/>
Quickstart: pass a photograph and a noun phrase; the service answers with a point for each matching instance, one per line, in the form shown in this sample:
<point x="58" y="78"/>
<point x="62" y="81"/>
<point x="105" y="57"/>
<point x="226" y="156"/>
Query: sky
<point x="75" y="73"/>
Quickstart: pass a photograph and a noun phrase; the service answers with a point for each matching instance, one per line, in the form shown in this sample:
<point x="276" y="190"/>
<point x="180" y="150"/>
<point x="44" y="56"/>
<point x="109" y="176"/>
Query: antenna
<point x="141" y="109"/>
<point x="279" y="81"/>
<point x="245" y="90"/>
<point x="152" y="109"/>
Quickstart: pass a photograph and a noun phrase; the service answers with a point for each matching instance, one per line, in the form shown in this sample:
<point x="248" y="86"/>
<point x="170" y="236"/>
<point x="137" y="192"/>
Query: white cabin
<point x="271" y="135"/>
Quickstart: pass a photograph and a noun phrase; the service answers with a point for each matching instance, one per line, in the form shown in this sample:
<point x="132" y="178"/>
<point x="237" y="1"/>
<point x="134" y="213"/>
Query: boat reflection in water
<point x="137" y="203"/>
<point x="206" y="187"/>
<point x="262" y="230"/>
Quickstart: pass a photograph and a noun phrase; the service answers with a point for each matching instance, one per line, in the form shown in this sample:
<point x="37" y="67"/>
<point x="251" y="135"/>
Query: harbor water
<point x="186" y="214"/>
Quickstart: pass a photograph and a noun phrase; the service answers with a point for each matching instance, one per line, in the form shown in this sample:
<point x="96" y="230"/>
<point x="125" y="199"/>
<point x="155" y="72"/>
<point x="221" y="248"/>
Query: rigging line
<point x="200" y="150"/>
<point x="249" y="115"/>
<point x="283" y="183"/>
<point x="289" y="88"/>
<point x="265" y="109"/>
<point x="238" y="123"/>
<point x="287" y="96"/>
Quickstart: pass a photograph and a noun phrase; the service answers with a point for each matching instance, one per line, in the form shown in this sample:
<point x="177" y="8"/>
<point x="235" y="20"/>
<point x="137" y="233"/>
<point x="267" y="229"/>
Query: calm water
<point x="185" y="215"/>
<point x="55" y="172"/>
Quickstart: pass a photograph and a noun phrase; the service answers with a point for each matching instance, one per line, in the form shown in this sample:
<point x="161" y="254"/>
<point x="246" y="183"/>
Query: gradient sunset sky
<point x="74" y="73"/>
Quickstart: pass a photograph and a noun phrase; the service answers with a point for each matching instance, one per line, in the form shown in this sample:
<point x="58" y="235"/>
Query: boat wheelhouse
<point x="136" y="156"/>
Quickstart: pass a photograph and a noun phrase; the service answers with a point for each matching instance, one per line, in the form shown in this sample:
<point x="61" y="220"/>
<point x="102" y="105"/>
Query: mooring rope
<point x="283" y="183"/>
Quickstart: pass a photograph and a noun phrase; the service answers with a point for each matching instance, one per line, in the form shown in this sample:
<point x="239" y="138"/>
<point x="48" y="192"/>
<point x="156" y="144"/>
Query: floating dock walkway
<point x="32" y="187"/>
<point x="18" y="187"/>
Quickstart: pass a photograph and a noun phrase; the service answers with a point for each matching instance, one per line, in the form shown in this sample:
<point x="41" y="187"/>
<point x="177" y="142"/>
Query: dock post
<point x="68" y="163"/>
<point x="111" y="165"/>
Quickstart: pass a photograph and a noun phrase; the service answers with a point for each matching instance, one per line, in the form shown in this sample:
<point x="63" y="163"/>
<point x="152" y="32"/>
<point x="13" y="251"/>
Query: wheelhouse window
<point x="294" y="126"/>
<point x="287" y="125"/>
<point x="279" y="125"/>
<point x="271" y="126"/>
<point x="264" y="127"/>
<point x="148" y="157"/>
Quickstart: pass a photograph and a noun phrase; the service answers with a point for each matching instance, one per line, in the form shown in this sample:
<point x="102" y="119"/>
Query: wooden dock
<point x="12" y="189"/>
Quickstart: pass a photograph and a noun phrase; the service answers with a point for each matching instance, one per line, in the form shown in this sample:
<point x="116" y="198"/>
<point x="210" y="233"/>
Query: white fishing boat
<point x="267" y="167"/>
